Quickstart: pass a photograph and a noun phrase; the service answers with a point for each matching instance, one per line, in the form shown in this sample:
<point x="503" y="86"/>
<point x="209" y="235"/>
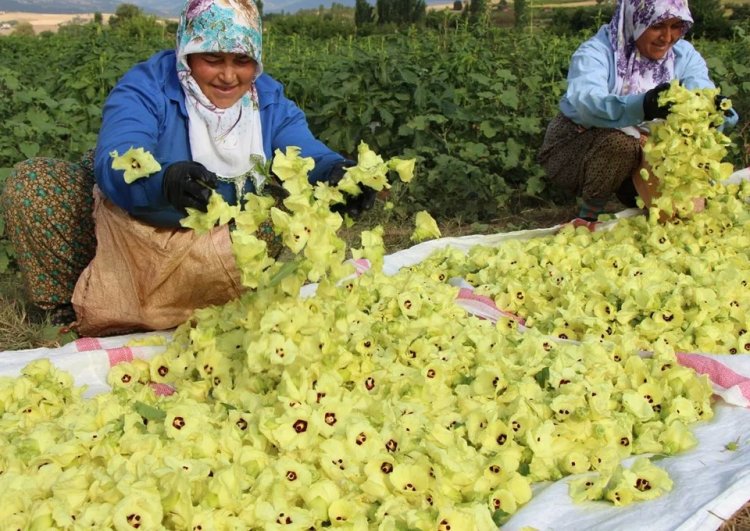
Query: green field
<point x="471" y="103"/>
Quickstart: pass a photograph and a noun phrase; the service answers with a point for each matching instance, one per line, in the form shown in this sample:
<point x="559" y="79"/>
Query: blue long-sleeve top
<point x="590" y="100"/>
<point x="146" y="109"/>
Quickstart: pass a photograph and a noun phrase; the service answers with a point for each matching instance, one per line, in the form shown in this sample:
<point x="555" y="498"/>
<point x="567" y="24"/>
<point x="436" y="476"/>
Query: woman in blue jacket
<point x="592" y="148"/>
<point x="210" y="117"/>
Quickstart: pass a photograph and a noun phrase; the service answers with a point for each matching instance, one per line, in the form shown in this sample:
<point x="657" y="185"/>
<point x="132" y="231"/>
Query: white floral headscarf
<point x="227" y="141"/>
<point x="635" y="73"/>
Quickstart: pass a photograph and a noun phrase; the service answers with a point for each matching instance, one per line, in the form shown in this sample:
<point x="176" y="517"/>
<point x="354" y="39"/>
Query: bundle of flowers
<point x="685" y="151"/>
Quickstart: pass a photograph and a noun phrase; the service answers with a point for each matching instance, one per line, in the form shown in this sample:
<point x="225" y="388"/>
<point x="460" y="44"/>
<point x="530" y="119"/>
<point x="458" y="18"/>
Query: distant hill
<point x="292" y="6"/>
<point x="163" y="8"/>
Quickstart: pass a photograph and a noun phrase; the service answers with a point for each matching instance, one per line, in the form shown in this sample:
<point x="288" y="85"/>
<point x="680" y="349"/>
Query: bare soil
<point x="45" y="21"/>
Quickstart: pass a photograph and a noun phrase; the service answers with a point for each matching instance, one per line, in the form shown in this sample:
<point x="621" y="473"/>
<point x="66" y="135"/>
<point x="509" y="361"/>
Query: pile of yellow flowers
<point x="684" y="283"/>
<point x="375" y="402"/>
<point x="685" y="151"/>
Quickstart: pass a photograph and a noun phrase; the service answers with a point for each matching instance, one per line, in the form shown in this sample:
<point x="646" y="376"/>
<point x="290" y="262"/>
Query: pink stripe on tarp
<point x="86" y="344"/>
<point x="580" y="222"/>
<point x="484" y="306"/>
<point x="717" y="372"/>
<point x="361" y="265"/>
<point x="162" y="389"/>
<point x="118" y="355"/>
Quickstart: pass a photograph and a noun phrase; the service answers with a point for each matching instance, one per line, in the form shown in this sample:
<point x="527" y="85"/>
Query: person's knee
<point x="16" y="184"/>
<point x="619" y="146"/>
<point x="30" y="186"/>
<point x="611" y="160"/>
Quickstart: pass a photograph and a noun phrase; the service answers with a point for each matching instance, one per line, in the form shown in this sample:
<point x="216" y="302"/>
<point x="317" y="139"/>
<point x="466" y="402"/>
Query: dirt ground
<point x="44" y="21"/>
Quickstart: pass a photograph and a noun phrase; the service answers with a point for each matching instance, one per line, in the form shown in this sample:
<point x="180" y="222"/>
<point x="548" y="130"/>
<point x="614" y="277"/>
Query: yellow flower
<point x="278" y="515"/>
<point x="186" y="419"/>
<point x="294" y="229"/>
<point x="349" y="513"/>
<point x="643" y="481"/>
<point x="471" y="517"/>
<point x="96" y="516"/>
<point x="370" y="171"/>
<point x="373" y="247"/>
<point x="588" y="488"/>
<point x="256" y="210"/>
<point x="425" y="227"/>
<point x="404" y="168"/>
<point x="136" y="162"/>
<point x="638" y="405"/>
<point x="327" y="194"/>
<point x="319" y="496"/>
<point x="677" y="438"/>
<point x="139" y="509"/>
<point x="125" y="375"/>
<point x="289" y="166"/>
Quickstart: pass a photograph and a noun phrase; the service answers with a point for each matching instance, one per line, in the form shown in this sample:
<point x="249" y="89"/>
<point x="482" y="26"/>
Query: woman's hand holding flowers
<point x="723" y="104"/>
<point x="651" y="108"/>
<point x="188" y="184"/>
<point x="353" y="205"/>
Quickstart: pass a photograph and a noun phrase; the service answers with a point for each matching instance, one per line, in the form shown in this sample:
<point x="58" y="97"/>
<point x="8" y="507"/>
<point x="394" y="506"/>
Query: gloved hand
<point x="188" y="184"/>
<point x="651" y="107"/>
<point x="353" y="205"/>
<point x="274" y="188"/>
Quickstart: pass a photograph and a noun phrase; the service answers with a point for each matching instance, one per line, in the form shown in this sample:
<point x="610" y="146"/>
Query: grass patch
<point x="22" y="327"/>
<point x="739" y="522"/>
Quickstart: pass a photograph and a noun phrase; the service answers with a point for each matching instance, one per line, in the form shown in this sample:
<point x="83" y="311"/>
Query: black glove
<point x="717" y="102"/>
<point x="353" y="205"/>
<point x="651" y="107"/>
<point x="188" y="184"/>
<point x="273" y="187"/>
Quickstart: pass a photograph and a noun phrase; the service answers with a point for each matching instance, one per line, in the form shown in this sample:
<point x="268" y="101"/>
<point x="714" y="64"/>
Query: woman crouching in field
<point x="592" y="148"/>
<point x="114" y="248"/>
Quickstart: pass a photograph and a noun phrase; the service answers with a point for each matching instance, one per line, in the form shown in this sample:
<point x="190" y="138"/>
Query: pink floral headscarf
<point x="635" y="73"/>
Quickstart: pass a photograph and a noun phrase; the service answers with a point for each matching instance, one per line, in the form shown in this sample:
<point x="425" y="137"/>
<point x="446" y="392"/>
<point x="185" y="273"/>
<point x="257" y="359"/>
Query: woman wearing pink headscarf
<point x="593" y="146"/>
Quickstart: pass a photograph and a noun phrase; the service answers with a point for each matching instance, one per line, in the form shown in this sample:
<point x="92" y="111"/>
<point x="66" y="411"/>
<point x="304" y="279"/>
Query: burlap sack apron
<point x="148" y="278"/>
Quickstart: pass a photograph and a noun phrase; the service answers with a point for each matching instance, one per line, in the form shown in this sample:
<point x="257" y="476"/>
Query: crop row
<point x="471" y="105"/>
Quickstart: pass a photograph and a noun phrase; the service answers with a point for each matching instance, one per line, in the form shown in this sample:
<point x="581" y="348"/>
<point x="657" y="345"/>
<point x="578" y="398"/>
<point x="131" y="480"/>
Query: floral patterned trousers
<point x="591" y="163"/>
<point x="47" y="205"/>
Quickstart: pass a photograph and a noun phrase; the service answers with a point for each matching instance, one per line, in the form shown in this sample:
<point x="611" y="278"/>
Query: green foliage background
<point x="470" y="102"/>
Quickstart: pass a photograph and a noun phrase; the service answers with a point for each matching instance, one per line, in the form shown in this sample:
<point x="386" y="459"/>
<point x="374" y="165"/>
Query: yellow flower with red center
<point x="136" y="164"/>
